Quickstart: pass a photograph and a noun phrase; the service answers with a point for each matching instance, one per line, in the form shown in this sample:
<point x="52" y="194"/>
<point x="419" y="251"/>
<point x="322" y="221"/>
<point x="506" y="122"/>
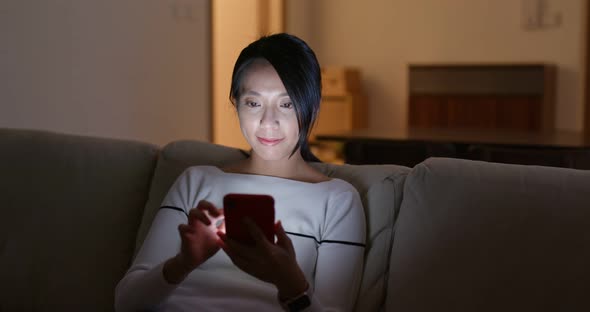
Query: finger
<point x="282" y="239"/>
<point x="221" y="227"/>
<point x="186" y="232"/>
<point x="197" y="214"/>
<point x="221" y="240"/>
<point x="186" y="229"/>
<point x="209" y="207"/>
<point x="220" y="223"/>
<point x="183" y="228"/>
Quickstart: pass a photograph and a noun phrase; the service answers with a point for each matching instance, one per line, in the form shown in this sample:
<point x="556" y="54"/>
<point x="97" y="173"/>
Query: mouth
<point x="269" y="142"/>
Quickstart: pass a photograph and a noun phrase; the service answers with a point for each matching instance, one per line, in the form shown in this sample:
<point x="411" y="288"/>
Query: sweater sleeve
<point x="144" y="286"/>
<point x="340" y="254"/>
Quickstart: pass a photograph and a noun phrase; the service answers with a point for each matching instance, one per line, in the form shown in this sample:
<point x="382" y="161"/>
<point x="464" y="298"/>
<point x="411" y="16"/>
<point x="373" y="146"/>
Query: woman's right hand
<point x="199" y="242"/>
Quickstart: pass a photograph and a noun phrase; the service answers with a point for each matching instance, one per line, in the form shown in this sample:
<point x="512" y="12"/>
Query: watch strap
<point x="297" y="303"/>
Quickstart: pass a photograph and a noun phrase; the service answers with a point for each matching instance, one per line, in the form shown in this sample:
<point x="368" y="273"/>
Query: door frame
<point x="586" y="123"/>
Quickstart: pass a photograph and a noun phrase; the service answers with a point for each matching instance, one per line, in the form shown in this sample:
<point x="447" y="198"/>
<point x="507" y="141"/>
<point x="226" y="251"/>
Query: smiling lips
<point x="269" y="142"/>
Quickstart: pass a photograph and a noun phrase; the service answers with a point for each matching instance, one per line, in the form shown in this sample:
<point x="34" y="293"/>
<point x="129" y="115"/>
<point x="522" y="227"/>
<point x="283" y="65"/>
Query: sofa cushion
<point x="380" y="189"/>
<point x="477" y="236"/>
<point x="71" y="206"/>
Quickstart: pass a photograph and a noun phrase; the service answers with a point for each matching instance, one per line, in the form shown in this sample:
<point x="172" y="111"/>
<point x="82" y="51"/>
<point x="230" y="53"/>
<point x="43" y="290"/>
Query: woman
<point x="316" y="261"/>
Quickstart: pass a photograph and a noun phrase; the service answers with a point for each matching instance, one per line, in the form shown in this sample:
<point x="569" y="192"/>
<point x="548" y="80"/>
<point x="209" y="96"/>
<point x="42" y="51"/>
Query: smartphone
<point x="259" y="208"/>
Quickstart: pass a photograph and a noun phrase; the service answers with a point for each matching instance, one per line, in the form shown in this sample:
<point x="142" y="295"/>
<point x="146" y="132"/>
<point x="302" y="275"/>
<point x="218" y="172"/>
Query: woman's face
<point x="267" y="115"/>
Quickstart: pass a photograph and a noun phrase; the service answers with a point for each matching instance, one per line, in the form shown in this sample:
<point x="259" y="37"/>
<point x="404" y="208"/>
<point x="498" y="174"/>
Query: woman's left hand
<point x="270" y="262"/>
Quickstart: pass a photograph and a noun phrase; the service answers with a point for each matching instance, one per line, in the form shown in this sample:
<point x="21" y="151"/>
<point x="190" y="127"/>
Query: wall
<point x="381" y="37"/>
<point x="134" y="69"/>
<point x="236" y="23"/>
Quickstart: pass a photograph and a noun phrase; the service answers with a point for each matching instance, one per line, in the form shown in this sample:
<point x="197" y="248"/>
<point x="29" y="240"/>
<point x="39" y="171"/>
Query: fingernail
<point x="219" y="222"/>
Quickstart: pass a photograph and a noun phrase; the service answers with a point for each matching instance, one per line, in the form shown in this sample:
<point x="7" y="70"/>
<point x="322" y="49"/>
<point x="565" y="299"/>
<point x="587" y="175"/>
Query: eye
<point x="287" y="105"/>
<point x="251" y="103"/>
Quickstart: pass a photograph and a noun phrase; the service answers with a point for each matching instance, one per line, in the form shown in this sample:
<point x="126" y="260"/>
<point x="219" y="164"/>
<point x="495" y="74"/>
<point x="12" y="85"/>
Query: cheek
<point x="247" y="121"/>
<point x="293" y="126"/>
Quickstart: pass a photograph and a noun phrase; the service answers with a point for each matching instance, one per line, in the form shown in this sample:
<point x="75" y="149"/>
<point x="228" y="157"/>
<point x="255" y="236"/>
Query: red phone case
<point x="259" y="208"/>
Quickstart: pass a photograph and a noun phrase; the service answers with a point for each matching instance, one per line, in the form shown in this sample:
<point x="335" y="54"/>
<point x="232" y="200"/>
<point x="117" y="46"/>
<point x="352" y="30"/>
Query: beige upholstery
<point x="380" y="188"/>
<point x="477" y="236"/>
<point x="71" y="206"/>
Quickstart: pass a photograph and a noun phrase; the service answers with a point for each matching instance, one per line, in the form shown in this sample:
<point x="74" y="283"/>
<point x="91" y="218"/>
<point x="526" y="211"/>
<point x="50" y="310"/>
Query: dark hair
<point x="299" y="71"/>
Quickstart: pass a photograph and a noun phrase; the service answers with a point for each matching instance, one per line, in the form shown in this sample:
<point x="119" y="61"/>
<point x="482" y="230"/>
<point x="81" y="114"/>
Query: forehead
<point x="260" y="76"/>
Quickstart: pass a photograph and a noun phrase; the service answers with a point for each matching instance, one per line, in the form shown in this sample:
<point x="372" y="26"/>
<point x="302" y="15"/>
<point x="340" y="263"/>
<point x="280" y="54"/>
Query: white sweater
<point x="325" y="222"/>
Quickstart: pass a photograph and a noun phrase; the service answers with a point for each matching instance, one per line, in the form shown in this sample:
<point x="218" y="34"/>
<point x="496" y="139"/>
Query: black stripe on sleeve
<point x="342" y="242"/>
<point x="174" y="208"/>
<point x="327" y="241"/>
<point x="303" y="235"/>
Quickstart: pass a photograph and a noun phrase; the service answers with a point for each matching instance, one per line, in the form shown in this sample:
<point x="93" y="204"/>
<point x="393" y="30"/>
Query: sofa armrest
<point x="477" y="236"/>
<point x="70" y="210"/>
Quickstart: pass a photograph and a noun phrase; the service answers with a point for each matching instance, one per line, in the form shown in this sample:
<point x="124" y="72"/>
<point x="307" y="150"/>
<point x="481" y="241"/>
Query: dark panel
<point x="477" y="79"/>
<point x="510" y="97"/>
<point x="482" y="112"/>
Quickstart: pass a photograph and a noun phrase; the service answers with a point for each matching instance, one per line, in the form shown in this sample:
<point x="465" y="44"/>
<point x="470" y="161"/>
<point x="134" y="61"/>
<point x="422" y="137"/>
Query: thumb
<point x="282" y="239"/>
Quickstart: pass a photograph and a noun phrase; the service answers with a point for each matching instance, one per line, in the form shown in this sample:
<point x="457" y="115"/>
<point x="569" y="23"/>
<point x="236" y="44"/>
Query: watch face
<point x="299" y="303"/>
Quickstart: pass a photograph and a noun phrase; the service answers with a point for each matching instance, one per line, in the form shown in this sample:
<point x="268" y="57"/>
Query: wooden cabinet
<point x="341" y="114"/>
<point x="490" y="96"/>
<point x="344" y="106"/>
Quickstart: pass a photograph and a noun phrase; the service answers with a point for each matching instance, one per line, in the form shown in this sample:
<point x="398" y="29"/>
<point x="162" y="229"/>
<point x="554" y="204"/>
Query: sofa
<point x="445" y="235"/>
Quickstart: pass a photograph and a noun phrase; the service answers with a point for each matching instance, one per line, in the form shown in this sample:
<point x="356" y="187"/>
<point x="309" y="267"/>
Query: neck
<point x="284" y="168"/>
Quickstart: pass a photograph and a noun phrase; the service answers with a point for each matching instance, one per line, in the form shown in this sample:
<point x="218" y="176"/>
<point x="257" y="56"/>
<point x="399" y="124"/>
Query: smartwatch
<point x="297" y="303"/>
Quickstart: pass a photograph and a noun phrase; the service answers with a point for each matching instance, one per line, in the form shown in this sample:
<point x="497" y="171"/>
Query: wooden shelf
<point x="483" y="96"/>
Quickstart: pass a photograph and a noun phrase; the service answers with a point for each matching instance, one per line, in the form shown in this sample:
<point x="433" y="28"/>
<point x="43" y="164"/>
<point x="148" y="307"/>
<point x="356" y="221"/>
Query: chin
<point x="271" y="155"/>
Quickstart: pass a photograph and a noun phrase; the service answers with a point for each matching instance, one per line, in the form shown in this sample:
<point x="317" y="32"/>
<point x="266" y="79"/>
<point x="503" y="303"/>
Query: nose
<point x="269" y="118"/>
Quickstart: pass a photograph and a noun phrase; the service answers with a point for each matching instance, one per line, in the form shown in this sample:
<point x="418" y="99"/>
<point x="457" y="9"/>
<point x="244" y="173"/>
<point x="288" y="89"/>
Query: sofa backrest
<point x="380" y="188"/>
<point x="477" y="236"/>
<point x="71" y="206"/>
